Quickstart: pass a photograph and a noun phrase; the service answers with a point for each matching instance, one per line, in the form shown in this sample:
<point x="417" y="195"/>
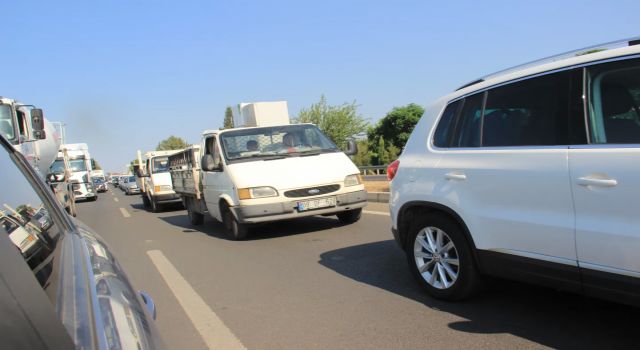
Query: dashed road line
<point x="116" y="199"/>
<point x="125" y="213"/>
<point x="213" y="331"/>
<point x="376" y="212"/>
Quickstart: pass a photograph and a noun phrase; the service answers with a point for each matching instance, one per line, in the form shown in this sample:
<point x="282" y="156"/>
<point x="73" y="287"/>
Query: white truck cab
<point x="79" y="162"/>
<point x="267" y="173"/>
<point x="156" y="186"/>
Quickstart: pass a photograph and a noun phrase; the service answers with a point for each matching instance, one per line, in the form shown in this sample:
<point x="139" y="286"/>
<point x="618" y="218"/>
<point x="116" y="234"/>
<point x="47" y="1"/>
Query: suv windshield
<point x="6" y="122"/>
<point x="160" y="165"/>
<point x="256" y="143"/>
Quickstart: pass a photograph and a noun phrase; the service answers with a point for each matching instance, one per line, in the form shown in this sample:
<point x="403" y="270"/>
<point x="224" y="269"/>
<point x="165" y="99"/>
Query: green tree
<point x="171" y="143"/>
<point x="363" y="157"/>
<point x="397" y="125"/>
<point x="382" y="155"/>
<point x="228" y="118"/>
<point x="338" y="122"/>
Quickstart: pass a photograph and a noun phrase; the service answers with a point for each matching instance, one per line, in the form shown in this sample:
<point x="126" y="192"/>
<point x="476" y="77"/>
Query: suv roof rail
<point x="558" y="57"/>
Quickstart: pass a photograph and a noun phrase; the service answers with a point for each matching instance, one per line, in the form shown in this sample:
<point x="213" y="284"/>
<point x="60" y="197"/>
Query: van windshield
<point x="280" y="141"/>
<point x="160" y="165"/>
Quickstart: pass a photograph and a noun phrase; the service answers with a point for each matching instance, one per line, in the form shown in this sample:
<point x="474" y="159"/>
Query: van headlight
<point x="257" y="192"/>
<point x="352" y="180"/>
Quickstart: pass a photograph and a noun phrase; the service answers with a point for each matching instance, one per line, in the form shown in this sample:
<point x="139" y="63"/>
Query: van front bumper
<point x="251" y="214"/>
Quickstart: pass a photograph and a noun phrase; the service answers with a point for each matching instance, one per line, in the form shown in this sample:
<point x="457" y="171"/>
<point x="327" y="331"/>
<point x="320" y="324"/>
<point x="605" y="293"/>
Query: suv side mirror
<point x="210" y="163"/>
<point x="352" y="147"/>
<point x="37" y="124"/>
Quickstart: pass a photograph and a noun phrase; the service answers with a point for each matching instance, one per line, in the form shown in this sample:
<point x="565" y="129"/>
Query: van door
<point x="506" y="172"/>
<point x="604" y="177"/>
<point x="213" y="182"/>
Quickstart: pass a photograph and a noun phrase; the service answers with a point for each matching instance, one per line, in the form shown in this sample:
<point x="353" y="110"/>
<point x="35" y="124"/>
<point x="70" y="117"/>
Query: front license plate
<point x="317" y="203"/>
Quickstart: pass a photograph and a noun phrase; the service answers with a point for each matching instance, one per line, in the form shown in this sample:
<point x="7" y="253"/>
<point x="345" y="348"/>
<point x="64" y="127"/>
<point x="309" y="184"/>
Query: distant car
<point x="72" y="294"/>
<point x="131" y="187"/>
<point x="122" y="184"/>
<point x="100" y="184"/>
<point x="115" y="180"/>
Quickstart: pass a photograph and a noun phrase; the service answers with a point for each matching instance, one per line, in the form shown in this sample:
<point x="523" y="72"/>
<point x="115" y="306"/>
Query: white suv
<point x="532" y="174"/>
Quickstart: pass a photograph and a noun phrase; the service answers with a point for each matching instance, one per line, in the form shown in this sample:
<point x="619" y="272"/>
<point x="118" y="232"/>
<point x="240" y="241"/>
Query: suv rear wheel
<point x="440" y="258"/>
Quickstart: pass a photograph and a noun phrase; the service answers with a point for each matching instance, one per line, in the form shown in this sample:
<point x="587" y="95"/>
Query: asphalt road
<point x="314" y="284"/>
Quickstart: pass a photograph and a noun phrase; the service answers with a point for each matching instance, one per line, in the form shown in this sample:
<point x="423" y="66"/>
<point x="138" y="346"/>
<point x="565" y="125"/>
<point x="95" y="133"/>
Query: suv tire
<point x="435" y="244"/>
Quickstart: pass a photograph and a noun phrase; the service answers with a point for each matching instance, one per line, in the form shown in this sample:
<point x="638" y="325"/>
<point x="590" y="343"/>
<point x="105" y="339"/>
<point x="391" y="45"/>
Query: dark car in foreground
<point x="73" y="294"/>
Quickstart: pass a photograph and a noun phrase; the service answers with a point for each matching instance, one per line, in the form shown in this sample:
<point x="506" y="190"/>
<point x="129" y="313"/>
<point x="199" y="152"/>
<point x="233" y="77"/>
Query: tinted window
<point x="468" y="131"/>
<point x="528" y="113"/>
<point x="444" y="130"/>
<point x="614" y="100"/>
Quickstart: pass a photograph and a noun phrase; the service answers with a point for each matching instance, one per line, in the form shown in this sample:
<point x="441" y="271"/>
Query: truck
<point x="267" y="170"/>
<point x="25" y="127"/>
<point x="78" y="167"/>
<point x="154" y="180"/>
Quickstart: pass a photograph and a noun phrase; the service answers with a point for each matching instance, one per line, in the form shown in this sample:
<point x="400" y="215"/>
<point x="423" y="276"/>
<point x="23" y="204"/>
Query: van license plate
<point x="317" y="203"/>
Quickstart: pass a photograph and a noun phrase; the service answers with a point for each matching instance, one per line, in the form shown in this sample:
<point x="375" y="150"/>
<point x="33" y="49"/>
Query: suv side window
<point x="614" y="102"/>
<point x="444" y="131"/>
<point x="470" y="121"/>
<point x="532" y="112"/>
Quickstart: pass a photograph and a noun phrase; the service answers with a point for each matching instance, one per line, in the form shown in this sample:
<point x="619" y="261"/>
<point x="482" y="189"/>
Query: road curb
<point x="380" y="197"/>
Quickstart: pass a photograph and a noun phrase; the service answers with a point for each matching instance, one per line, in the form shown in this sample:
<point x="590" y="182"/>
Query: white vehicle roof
<point x="220" y="131"/>
<point x="600" y="52"/>
<point x="152" y="154"/>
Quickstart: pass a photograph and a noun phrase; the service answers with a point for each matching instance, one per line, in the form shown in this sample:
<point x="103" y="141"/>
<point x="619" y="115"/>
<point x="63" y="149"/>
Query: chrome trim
<point x="606" y="146"/>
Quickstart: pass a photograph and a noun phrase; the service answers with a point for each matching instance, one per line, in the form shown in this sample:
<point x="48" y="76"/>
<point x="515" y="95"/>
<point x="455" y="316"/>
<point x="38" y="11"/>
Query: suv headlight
<point x="257" y="192"/>
<point x="352" y="180"/>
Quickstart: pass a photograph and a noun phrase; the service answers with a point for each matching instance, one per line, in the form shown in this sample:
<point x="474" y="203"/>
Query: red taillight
<point x="392" y="169"/>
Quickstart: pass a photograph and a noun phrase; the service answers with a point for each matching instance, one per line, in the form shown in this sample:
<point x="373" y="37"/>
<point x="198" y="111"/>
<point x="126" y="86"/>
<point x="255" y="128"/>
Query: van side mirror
<point x="210" y="163"/>
<point x="37" y="124"/>
<point x="352" y="147"/>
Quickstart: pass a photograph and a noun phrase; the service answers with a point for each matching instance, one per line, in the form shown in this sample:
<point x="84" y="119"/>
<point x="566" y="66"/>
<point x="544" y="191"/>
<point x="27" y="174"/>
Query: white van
<point x="156" y="182"/>
<point x="262" y="174"/>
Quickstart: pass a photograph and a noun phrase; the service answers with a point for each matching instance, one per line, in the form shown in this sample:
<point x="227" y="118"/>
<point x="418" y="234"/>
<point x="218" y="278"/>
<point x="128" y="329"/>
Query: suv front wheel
<point x="440" y="258"/>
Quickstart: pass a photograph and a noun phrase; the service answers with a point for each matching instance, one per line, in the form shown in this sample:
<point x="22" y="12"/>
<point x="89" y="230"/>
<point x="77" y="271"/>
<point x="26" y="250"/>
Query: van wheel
<point x="155" y="207"/>
<point x="350" y="216"/>
<point x="194" y="217"/>
<point x="235" y="231"/>
<point x="145" y="201"/>
<point x="440" y="258"/>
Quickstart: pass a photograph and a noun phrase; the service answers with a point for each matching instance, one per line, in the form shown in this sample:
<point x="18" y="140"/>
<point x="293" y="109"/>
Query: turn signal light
<point x="392" y="169"/>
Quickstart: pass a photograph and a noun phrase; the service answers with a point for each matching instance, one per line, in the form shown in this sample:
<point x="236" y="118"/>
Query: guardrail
<point x="373" y="169"/>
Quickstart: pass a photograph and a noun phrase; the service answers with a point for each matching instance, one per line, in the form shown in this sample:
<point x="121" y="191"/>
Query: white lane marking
<point x="376" y="212"/>
<point x="125" y="213"/>
<point x="116" y="199"/>
<point x="211" y="328"/>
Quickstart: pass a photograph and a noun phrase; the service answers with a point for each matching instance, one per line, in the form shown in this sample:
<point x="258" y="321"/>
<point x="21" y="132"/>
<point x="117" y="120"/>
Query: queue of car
<point x="525" y="174"/>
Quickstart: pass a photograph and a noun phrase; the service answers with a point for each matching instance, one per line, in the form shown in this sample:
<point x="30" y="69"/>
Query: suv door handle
<point x="590" y="181"/>
<point x="455" y="176"/>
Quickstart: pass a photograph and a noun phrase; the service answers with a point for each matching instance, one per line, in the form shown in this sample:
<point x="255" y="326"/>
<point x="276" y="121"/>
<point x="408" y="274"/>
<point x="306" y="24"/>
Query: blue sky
<point x="125" y="74"/>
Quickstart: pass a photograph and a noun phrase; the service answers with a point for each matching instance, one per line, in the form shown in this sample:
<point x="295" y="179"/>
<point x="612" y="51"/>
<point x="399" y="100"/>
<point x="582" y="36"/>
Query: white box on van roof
<point x="261" y="114"/>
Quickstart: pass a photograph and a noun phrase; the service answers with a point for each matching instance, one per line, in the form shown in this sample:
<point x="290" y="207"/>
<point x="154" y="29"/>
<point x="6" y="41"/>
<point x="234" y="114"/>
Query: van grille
<point x="311" y="191"/>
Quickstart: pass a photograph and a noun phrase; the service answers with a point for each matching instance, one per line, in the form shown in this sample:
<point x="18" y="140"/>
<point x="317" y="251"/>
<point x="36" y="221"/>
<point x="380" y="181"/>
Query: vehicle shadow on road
<point x="545" y="316"/>
<point x="258" y="232"/>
